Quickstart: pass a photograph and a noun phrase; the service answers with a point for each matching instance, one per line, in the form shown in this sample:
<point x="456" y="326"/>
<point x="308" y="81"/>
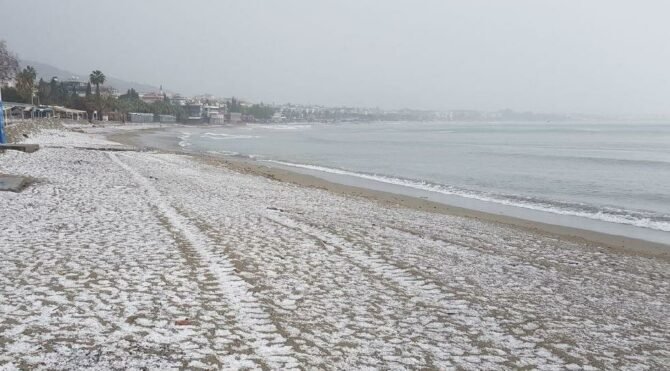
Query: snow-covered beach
<point x="129" y="259"/>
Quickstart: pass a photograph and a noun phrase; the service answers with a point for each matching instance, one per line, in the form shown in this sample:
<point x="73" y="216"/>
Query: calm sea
<point x="611" y="172"/>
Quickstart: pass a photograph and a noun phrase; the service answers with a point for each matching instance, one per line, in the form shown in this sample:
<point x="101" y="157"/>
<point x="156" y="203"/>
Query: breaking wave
<point x="183" y="140"/>
<point x="219" y="136"/>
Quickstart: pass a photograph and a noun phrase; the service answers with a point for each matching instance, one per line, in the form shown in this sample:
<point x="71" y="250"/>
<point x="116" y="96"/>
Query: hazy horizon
<point x="601" y="57"/>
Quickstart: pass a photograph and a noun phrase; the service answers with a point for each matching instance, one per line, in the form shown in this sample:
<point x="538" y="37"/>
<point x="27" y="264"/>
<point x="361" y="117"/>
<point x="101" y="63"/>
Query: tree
<point x="30" y="70"/>
<point x="11" y="95"/>
<point x="43" y="91"/>
<point x="88" y="90"/>
<point x="25" y="83"/>
<point x="97" y="78"/>
<point x="58" y="93"/>
<point x="52" y="97"/>
<point x="234" y="105"/>
<point x="260" y="111"/>
<point x="131" y="94"/>
<point x="166" y="108"/>
<point x="9" y="63"/>
<point x="131" y="102"/>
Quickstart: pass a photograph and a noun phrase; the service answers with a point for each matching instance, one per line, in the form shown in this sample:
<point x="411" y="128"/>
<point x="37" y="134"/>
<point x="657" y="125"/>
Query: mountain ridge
<point x="47" y="71"/>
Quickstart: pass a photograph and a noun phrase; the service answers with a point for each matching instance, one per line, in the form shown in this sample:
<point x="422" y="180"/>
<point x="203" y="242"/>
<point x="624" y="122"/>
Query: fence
<point x="140" y="117"/>
<point x="167" y="118"/>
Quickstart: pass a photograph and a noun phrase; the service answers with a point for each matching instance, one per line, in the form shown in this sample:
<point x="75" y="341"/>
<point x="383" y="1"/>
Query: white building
<point x="235" y="117"/>
<point x="217" y="119"/>
<point x="178" y="100"/>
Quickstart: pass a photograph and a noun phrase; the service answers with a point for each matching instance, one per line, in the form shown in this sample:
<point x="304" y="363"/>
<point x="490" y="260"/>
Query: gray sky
<point x="592" y="56"/>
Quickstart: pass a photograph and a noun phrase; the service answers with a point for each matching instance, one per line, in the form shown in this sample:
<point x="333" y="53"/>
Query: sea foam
<point x="608" y="214"/>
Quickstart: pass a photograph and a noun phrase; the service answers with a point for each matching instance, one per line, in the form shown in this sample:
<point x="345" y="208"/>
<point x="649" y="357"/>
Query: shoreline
<point x="616" y="243"/>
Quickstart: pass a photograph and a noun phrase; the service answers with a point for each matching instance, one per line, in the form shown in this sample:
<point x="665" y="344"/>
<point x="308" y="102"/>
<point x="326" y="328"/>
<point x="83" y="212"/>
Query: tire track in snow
<point x="419" y="289"/>
<point x="260" y="332"/>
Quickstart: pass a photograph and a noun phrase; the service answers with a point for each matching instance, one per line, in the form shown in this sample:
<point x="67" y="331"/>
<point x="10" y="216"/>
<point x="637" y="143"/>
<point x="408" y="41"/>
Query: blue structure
<point x="3" y="140"/>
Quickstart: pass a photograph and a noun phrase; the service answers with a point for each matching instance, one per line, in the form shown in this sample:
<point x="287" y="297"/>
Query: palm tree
<point x="31" y="73"/>
<point x="97" y="78"/>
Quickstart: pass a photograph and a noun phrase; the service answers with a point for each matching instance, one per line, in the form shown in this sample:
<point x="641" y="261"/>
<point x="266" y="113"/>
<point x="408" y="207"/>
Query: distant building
<point x="210" y="110"/>
<point x="74" y="85"/>
<point x="140" y="117"/>
<point x="235" y="117"/>
<point x="69" y="113"/>
<point x="277" y="117"/>
<point x="205" y="98"/>
<point x="194" y="112"/>
<point x="178" y="100"/>
<point x="167" y="118"/>
<point x="26" y="111"/>
<point x="217" y="119"/>
<point x="108" y="90"/>
<point x="465" y="115"/>
<point x="152" y="97"/>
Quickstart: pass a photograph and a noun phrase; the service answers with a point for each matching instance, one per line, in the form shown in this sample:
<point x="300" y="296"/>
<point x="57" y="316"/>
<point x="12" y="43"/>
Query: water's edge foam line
<point x="615" y="216"/>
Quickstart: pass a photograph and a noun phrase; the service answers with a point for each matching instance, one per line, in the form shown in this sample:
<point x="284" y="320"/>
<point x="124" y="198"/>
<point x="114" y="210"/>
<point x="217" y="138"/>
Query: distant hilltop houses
<point x="75" y="85"/>
<point x="205" y="109"/>
<point x="78" y="99"/>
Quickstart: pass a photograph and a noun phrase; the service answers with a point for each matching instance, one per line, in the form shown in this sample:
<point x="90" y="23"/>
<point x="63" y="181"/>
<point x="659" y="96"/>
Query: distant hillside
<point x="47" y="71"/>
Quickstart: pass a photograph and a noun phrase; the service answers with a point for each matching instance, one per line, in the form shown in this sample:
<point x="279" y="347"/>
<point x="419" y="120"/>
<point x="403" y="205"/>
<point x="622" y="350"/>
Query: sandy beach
<point x="159" y="260"/>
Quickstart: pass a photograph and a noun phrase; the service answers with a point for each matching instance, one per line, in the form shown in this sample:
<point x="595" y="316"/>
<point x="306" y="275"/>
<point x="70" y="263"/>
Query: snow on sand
<point x="149" y="260"/>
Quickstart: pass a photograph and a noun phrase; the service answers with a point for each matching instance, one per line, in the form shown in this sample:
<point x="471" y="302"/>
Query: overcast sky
<point x="591" y="56"/>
